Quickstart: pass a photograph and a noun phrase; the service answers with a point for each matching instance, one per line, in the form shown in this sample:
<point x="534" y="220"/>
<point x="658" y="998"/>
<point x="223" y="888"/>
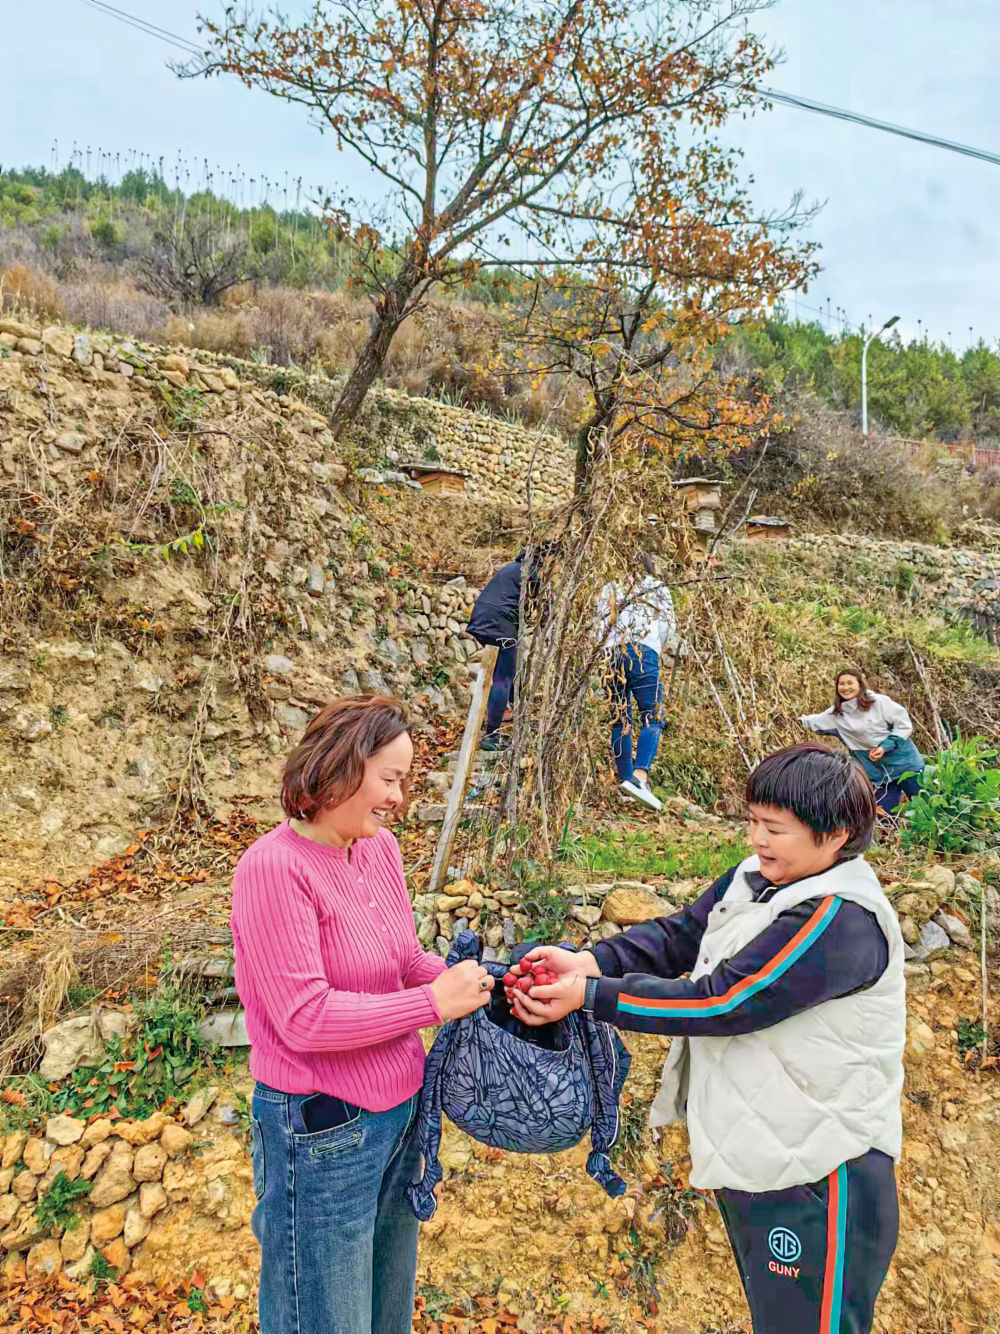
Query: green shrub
<point x="58" y="1206"/>
<point x="958" y="806"/>
<point x="139" y="1074"/>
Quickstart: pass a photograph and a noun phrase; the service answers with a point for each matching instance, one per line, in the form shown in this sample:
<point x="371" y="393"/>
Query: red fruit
<point x="548" y="980"/>
<point x="509" y="979"/>
<point x="539" y="966"/>
<point x="525" y="983"/>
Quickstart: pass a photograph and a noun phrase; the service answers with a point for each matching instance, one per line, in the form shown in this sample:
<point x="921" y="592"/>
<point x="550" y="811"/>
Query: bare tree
<point x="518" y="132"/>
<point x="195" y="261"/>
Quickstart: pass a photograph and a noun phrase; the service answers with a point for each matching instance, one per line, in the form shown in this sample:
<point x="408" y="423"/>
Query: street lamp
<point x="864" y="371"/>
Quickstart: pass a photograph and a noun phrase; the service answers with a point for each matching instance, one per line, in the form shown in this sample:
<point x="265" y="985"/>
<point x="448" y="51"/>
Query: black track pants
<point x="812" y="1258"/>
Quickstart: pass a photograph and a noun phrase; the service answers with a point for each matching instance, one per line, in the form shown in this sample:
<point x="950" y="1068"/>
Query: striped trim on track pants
<point x="813" y="1258"/>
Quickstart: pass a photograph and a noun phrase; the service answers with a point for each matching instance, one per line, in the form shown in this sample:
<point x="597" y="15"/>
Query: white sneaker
<point x="635" y="787"/>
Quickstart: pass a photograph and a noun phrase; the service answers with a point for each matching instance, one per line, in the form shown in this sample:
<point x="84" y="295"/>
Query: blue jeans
<point x="338" y="1239"/>
<point x="502" y="687"/>
<point x="634" y="673"/>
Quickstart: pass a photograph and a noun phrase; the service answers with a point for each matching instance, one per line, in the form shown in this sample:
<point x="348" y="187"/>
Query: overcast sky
<point x="905" y="229"/>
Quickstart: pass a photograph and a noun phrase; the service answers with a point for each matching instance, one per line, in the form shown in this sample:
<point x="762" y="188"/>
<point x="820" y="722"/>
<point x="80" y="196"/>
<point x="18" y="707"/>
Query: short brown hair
<point x="328" y="765"/>
<point x="825" y="789"/>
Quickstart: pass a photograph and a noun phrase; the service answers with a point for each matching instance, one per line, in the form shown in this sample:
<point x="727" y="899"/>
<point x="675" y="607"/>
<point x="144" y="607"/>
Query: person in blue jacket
<point x="877" y="731"/>
<point x="496" y="620"/>
<point x="783" y="991"/>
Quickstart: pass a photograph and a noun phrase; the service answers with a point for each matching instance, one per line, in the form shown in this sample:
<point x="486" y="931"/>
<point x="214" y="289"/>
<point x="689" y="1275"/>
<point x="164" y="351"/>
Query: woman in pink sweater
<point x="336" y="988"/>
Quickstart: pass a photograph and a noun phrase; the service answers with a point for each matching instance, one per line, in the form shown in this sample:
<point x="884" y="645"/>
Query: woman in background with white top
<point x="635" y="622"/>
<point x="877" y="731"/>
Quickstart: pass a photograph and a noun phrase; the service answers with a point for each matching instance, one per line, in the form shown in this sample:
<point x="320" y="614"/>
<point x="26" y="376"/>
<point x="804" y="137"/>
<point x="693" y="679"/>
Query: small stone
<point x="317" y="580"/>
<point x="37" y="1153"/>
<point x="64" y="1129"/>
<point x="6" y="1177"/>
<point x="941" y="880"/>
<point x="117" y="1256"/>
<point x="141" y="1132"/>
<point x="75" y="1241"/>
<point x="95" y="1160"/>
<point x="25" y="725"/>
<point x="83" y="353"/>
<point x="933" y="941"/>
<point x="446" y="902"/>
<point x="13" y="1147"/>
<point x="17" y="329"/>
<point x="226" y="1028"/>
<point x="71" y="443"/>
<point x="28" y="798"/>
<point x="278" y="665"/>
<point x="920" y="1040"/>
<point x="149" y="1162"/>
<point x="68" y="1159"/>
<point x="175" y="1139"/>
<point x="97" y="1132"/>
<point x="136" y="1227"/>
<point x="956" y="929"/>
<point x="152" y="1198"/>
<point x="587" y="913"/>
<point x="106" y="1224"/>
<point x="44" y="1260"/>
<point x="9" y="1205"/>
<point x="57" y="340"/>
<point x="68" y="1046"/>
<point x="80" y="1269"/>
<point x="910" y="930"/>
<point x="25" y="1186"/>
<point x="199" y="1105"/>
<point x="627" y="906"/>
<point x="174" y="361"/>
<point x="115" y="1180"/>
<point x="290" y="717"/>
<point x="31" y="347"/>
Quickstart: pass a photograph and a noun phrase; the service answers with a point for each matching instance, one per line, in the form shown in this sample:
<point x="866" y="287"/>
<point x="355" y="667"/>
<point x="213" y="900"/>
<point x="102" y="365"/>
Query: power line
<point x="772" y="94"/>
<point x="141" y="25"/>
<point x="887" y="127"/>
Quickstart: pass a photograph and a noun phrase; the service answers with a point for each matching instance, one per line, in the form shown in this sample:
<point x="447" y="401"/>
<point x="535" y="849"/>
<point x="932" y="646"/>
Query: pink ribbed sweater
<point x="329" y="968"/>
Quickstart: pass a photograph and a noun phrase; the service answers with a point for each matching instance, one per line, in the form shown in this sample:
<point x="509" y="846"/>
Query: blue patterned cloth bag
<point x="528" y="1090"/>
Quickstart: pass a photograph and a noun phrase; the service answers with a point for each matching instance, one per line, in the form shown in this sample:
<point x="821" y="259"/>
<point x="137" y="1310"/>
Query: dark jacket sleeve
<point x="666" y="946"/>
<point x="815" y="952"/>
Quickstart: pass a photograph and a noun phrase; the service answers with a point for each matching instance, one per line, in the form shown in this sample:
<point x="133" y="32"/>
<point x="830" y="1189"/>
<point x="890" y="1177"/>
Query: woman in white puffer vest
<point x="787" y="1059"/>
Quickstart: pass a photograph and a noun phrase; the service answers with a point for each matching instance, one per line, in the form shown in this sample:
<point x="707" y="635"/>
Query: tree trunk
<point x="390" y="312"/>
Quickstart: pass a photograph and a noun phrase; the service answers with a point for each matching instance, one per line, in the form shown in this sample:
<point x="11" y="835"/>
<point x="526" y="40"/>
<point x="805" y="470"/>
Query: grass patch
<point x="637" y="852"/>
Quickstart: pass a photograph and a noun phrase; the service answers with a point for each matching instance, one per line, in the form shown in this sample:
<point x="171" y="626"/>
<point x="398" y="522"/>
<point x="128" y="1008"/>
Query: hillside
<point x="190" y="568"/>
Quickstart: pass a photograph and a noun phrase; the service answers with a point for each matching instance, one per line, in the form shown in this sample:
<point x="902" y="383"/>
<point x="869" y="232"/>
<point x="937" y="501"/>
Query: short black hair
<point x="825" y="789"/>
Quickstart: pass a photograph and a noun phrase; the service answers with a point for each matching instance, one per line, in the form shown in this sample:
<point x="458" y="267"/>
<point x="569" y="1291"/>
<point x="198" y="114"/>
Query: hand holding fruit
<point x="563" y="963"/>
<point x="460" y="990"/>
<point x="548" y="984"/>
<point x="548" y="1001"/>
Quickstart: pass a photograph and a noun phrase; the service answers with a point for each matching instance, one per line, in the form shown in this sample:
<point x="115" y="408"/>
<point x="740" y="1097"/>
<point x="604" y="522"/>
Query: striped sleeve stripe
<point x="710" y="1006"/>
<point x="836" y="1245"/>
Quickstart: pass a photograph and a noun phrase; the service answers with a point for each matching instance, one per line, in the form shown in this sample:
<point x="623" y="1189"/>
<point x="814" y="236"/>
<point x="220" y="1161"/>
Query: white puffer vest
<point x="788" y="1104"/>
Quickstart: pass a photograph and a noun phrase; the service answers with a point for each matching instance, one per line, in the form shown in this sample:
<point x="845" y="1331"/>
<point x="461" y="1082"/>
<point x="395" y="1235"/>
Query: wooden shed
<point x="435" y="478"/>
<point x="765" y="528"/>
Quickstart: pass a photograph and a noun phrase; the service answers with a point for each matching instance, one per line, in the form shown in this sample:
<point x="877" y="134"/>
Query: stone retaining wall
<point x="145" y="1178"/>
<point x="504" y="461"/>
<point x="963" y="578"/>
